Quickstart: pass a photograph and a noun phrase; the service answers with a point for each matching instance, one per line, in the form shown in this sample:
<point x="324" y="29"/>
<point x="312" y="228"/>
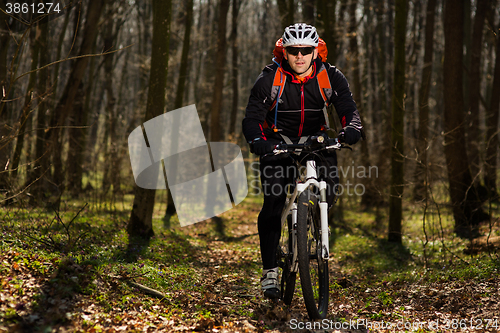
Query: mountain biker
<point x="299" y="113"/>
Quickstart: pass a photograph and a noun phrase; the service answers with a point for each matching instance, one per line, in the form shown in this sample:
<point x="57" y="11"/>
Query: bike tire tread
<point x="315" y="311"/>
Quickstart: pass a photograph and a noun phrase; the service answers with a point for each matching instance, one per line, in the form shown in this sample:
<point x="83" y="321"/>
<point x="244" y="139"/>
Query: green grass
<point x="87" y="252"/>
<point x="433" y="253"/>
<point x="75" y="248"/>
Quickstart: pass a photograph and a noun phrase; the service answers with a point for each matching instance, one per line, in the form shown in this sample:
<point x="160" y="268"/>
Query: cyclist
<point x="298" y="114"/>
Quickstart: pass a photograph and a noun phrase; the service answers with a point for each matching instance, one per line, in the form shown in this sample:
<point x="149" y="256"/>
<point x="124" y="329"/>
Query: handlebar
<point x="314" y="143"/>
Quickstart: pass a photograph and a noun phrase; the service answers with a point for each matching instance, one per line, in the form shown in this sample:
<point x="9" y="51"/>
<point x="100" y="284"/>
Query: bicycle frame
<point x="298" y="251"/>
<point x="310" y="180"/>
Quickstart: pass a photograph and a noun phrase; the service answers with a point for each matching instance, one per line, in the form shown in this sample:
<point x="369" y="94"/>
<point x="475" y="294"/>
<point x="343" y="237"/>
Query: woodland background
<point x="76" y="232"/>
<point x="74" y="86"/>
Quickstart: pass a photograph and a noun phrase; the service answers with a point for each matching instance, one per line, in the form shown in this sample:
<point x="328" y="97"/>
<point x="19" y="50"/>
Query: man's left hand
<point x="351" y="135"/>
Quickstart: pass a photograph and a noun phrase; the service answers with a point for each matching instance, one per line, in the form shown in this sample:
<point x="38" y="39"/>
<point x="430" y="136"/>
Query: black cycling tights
<point x="276" y="177"/>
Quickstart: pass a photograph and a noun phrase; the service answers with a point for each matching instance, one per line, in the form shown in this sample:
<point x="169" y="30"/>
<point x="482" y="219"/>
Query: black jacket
<point x="300" y="110"/>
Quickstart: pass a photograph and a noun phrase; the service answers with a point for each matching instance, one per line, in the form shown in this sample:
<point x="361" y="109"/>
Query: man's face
<point x="300" y="63"/>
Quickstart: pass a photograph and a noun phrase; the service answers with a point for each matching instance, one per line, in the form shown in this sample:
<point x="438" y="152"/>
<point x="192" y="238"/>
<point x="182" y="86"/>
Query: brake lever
<point x="276" y="151"/>
<point x="338" y="146"/>
<point x="334" y="146"/>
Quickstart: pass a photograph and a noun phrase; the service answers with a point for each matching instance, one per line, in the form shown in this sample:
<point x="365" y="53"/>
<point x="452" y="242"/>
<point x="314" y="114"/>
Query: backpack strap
<point x="325" y="88"/>
<point x="278" y="86"/>
<point x="276" y="92"/>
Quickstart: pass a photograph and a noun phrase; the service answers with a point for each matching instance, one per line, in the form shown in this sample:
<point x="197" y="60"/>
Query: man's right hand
<point x="262" y="147"/>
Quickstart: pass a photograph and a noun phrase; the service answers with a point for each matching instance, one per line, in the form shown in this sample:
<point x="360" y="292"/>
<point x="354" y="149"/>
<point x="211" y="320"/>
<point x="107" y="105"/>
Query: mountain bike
<point x="303" y="245"/>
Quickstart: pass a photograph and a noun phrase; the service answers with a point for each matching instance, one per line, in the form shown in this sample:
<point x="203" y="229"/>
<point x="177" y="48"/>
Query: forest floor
<point x="76" y="271"/>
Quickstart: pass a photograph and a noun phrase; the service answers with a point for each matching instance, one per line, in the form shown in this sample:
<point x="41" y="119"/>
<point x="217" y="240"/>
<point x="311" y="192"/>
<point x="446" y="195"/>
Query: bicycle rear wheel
<point x="285" y="257"/>
<point x="313" y="269"/>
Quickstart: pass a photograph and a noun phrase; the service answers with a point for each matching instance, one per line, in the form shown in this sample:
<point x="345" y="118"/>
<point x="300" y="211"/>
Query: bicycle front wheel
<point x="285" y="257"/>
<point x="313" y="270"/>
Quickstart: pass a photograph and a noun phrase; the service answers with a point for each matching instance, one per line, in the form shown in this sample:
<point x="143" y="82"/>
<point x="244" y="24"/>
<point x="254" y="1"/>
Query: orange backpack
<point x="325" y="87"/>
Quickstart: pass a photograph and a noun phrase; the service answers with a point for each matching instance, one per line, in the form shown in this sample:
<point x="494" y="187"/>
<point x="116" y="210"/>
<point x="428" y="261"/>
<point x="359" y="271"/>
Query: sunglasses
<point x="303" y="50"/>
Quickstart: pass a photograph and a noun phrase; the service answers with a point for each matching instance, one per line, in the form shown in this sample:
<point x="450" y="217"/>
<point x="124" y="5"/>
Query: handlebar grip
<point x="341" y="137"/>
<point x="332" y="141"/>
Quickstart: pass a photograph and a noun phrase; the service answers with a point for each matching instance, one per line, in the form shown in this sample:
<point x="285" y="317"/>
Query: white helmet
<point x="300" y="34"/>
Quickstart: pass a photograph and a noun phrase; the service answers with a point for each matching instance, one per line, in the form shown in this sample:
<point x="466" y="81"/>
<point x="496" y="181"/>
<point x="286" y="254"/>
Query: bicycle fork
<point x="311" y="180"/>
<point x="295" y="263"/>
<point x="323" y="208"/>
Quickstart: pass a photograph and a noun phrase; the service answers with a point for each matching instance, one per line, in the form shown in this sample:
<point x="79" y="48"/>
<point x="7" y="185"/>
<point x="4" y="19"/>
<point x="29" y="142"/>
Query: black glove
<point x="262" y="147"/>
<point x="349" y="135"/>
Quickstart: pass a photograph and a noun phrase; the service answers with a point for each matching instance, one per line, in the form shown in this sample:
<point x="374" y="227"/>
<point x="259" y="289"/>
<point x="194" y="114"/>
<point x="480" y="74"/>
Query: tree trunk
<point x="181" y="87"/>
<point x="26" y="111"/>
<point x="45" y="162"/>
<point x="43" y="91"/>
<point x="205" y="83"/>
<point x="490" y="178"/>
<point x="326" y="22"/>
<point x="414" y="45"/>
<point x="215" y="118"/>
<point x="286" y="8"/>
<point x="341" y="23"/>
<point x="90" y="156"/>
<point x="65" y="104"/>
<point x="358" y="95"/>
<point x="384" y="113"/>
<point x="370" y="44"/>
<point x="421" y="181"/>
<point x="389" y="47"/>
<point x="59" y="51"/>
<point x="467" y="52"/>
<point x="199" y="45"/>
<point x="397" y="106"/>
<point x="76" y="137"/>
<point x="4" y="126"/>
<point x="308" y="11"/>
<point x="220" y="62"/>
<point x="474" y="126"/>
<point x="111" y="145"/>
<point x="141" y="217"/>
<point x="4" y="47"/>
<point x="183" y="70"/>
<point x="375" y="197"/>
<point x="234" y="68"/>
<point x="466" y="206"/>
